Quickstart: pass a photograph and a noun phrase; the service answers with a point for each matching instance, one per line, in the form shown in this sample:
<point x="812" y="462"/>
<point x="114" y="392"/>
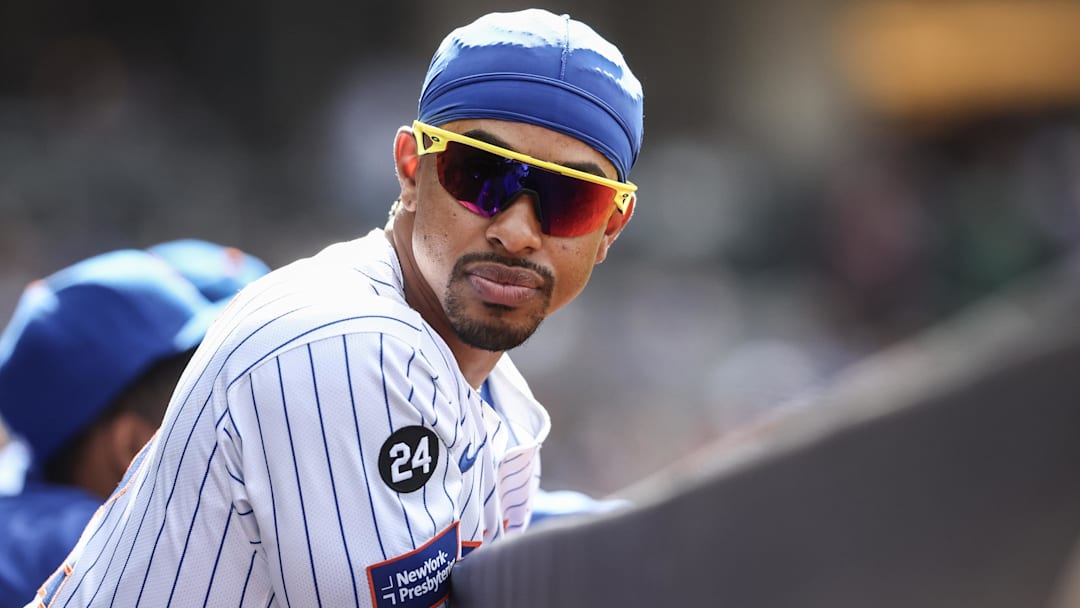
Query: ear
<point x="109" y="449"/>
<point x="615" y="226"/>
<point x="127" y="433"/>
<point x="406" y="163"/>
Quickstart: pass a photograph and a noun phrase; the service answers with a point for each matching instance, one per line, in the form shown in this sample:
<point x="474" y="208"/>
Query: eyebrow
<point x="489" y="138"/>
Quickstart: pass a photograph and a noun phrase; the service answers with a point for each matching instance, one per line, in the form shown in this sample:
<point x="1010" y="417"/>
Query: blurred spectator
<point x="88" y="363"/>
<point x="915" y="227"/>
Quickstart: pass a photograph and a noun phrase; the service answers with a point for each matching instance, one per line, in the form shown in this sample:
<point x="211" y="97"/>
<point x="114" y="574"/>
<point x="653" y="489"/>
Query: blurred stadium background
<point x="820" y="179"/>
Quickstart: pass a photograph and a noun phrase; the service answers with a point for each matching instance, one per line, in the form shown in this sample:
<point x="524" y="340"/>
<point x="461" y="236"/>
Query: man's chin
<point x="493" y="336"/>
<point x="491" y="327"/>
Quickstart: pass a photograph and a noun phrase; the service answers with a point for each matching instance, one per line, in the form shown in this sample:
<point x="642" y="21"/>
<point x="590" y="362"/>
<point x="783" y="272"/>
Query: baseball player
<point x="87" y="366"/>
<point x="351" y="425"/>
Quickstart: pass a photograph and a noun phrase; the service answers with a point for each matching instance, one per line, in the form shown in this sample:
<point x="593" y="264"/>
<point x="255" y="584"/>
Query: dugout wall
<point x="944" y="473"/>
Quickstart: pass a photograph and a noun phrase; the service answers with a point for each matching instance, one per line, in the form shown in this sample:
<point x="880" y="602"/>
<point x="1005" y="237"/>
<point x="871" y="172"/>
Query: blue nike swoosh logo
<point x="466" y="461"/>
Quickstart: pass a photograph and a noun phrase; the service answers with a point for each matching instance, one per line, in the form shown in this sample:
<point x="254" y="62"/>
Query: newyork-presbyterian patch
<point x="418" y="579"/>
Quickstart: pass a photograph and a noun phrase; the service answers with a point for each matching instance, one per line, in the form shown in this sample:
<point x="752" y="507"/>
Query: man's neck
<point x="475" y="363"/>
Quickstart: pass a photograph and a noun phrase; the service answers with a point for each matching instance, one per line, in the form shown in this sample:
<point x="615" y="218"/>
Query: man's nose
<point x="517" y="227"/>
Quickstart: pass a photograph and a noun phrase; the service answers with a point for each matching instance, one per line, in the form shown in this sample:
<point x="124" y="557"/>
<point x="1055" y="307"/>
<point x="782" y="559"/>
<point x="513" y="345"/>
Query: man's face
<point x="498" y="278"/>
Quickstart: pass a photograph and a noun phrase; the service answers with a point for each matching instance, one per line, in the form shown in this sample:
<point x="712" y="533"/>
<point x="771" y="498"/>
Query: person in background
<point x="88" y="363"/>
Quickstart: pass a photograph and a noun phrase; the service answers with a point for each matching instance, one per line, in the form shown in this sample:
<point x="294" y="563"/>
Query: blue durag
<point x="536" y="67"/>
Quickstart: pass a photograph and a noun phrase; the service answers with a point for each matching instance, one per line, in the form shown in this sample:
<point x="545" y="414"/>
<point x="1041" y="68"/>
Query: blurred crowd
<point x="743" y="282"/>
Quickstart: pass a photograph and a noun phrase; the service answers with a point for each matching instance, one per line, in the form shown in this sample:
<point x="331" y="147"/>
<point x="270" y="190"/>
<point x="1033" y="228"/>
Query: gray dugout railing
<point x="942" y="473"/>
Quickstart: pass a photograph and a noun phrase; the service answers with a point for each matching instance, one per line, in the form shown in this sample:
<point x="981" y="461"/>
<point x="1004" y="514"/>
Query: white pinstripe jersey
<point x="264" y="485"/>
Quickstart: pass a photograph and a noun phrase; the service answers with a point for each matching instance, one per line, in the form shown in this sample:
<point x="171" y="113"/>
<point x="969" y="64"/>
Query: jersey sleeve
<point x="341" y="472"/>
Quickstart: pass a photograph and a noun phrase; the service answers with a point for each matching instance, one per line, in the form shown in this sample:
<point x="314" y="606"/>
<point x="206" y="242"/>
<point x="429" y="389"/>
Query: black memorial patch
<point x="408" y="458"/>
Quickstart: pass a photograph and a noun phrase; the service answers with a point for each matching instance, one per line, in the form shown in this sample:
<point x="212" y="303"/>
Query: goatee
<point x="493" y="332"/>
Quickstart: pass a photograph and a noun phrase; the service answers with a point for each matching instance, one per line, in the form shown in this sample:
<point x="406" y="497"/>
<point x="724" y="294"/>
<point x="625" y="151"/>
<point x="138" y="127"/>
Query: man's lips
<point x="505" y="285"/>
<point x="506" y="275"/>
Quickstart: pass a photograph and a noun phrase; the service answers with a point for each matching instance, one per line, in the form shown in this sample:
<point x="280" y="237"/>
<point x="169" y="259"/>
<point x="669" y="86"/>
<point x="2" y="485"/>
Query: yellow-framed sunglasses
<point x="484" y="178"/>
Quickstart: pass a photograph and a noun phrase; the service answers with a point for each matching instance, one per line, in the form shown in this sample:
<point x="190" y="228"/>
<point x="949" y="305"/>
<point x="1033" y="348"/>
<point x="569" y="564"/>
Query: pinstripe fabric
<point x="262" y="487"/>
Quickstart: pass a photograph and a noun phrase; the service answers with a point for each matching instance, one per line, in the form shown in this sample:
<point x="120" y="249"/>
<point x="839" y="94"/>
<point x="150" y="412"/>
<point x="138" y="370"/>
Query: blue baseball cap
<point x="536" y="67"/>
<point x="81" y="336"/>
<point x="218" y="271"/>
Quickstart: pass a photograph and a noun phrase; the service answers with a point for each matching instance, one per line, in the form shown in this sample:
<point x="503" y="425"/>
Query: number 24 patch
<point x="408" y="458"/>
